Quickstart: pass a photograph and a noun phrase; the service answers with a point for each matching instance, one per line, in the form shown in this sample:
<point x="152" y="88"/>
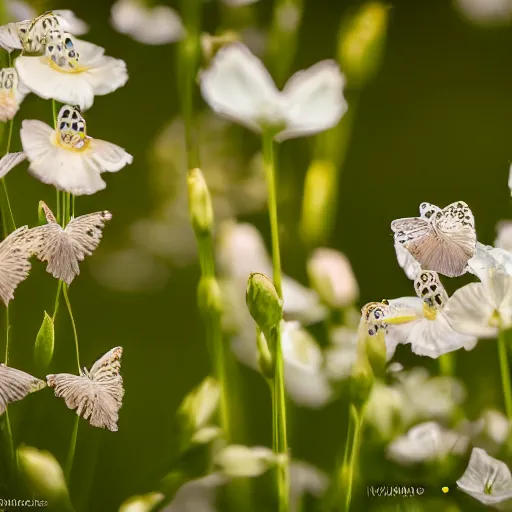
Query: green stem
<point x="75" y="334"/>
<point x="347" y="472"/>
<point x="505" y="373"/>
<point x="72" y="450"/>
<point x="59" y="216"/>
<point x="447" y="364"/>
<point x="268" y="155"/>
<point x="57" y="301"/>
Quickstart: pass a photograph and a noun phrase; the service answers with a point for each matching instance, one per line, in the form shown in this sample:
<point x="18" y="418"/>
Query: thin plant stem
<point x="447" y="364"/>
<point x="505" y="373"/>
<point x="268" y="155"/>
<point x="57" y="300"/>
<point x="59" y="217"/>
<point x="70" y="312"/>
<point x="279" y="435"/>
<point x="72" y="449"/>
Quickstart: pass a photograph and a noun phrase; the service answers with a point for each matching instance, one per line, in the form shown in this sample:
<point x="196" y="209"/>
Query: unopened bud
<point x="209" y="296"/>
<point x="263" y="302"/>
<point x="362" y="377"/>
<point x="200" y="203"/>
<point x="376" y="353"/>
<point x="44" y="345"/>
<point x="361" y="43"/>
<point x="43" y="476"/>
<point x="332" y="277"/>
<point x="318" y="202"/>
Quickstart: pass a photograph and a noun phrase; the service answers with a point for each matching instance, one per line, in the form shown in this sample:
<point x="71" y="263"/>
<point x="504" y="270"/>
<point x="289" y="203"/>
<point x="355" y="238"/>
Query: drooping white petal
<point x="20" y="11"/>
<point x="54" y="165"/>
<point x="486" y="479"/>
<point x="504" y="235"/>
<point x="243" y="461"/>
<point x="155" y="26"/>
<point x="313" y="100"/>
<point x="97" y="75"/>
<point x="109" y="157"/>
<point x="70" y="22"/>
<point x="470" y="311"/>
<point x="238" y="86"/>
<point x="10" y="161"/>
<point x="406" y="260"/>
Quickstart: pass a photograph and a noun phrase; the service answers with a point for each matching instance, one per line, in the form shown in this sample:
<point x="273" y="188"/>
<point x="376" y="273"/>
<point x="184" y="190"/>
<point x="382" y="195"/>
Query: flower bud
<point x="362" y="378"/>
<point x="199" y="203"/>
<point x="41" y="217"/>
<point x="209" y="296"/>
<point x="241" y="461"/>
<point x="376" y="353"/>
<point x="263" y="302"/>
<point x="43" y="475"/>
<point x="331" y="275"/>
<point x="361" y="43"/>
<point x="45" y="341"/>
<point x="320" y="190"/>
<point x="144" y="503"/>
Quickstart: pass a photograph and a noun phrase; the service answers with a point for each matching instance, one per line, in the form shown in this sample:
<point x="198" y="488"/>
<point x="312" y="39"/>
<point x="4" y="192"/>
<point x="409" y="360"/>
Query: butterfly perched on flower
<point x="442" y="240"/>
<point x="16" y="385"/>
<point x="96" y="394"/>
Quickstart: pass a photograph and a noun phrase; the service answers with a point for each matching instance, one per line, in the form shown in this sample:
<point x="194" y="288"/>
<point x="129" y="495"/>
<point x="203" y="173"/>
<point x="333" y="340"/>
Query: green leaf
<point x="45" y="342"/>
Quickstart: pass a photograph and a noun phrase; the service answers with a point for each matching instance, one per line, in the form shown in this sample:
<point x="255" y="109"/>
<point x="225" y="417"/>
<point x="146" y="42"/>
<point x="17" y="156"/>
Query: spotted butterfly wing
<point x="14" y="262"/>
<point x="97" y="395"/>
<point x="64" y="249"/>
<point x="16" y="385"/>
<point x="446" y="240"/>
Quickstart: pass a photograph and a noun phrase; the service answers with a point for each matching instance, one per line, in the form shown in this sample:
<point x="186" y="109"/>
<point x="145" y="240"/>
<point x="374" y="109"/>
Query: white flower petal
<point x="238" y="86"/>
<point x="313" y="100"/>
<point x="238" y="3"/>
<point x="504" y="235"/>
<point x="69" y="22"/>
<point x="20" y="11"/>
<point x="305" y="479"/>
<point x="469" y="311"/>
<point x="301" y="303"/>
<point x="9" y="106"/>
<point x="142" y="503"/>
<point x="67" y="170"/>
<point x="10" y="161"/>
<point x="484" y="473"/>
<point x="155" y="26"/>
<point x="109" y="157"/>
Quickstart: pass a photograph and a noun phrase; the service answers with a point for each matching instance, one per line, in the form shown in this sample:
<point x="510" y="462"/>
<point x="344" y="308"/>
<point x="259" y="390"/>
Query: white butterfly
<point x="440" y="240"/>
<point x="14" y="262"/>
<point x="16" y="385"/>
<point x="63" y="249"/>
<point x="97" y="395"/>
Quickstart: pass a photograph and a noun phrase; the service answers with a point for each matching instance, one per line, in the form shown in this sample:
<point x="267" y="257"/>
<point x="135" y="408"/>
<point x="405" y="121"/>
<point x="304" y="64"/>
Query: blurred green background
<point x="435" y="125"/>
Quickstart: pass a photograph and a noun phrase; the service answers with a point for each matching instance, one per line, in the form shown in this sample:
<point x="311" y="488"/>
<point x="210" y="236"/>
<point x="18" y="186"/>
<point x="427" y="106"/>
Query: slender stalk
<point x="447" y="364"/>
<point x="57" y="300"/>
<point x="279" y="435"/>
<point x="72" y="449"/>
<point x="70" y="312"/>
<point x="505" y="373"/>
<point x="356" y="418"/>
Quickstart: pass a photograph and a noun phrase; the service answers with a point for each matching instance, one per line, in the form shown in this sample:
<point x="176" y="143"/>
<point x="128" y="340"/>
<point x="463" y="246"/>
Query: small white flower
<point x="197" y="495"/>
<point x="71" y="71"/>
<point x="148" y="25"/>
<point x="144" y="503"/>
<point x="426" y="442"/>
<point x="486" y="12"/>
<point x="481" y="309"/>
<point x="66" y="157"/>
<point x="332" y="277"/>
<point x="12" y="93"/>
<point x="341" y="354"/>
<point x="305" y="380"/>
<point x="237" y="460"/>
<point x="486" y="479"/>
<point x="305" y="479"/>
<point x="201" y="403"/>
<point x="384" y="410"/>
<point x="238" y="86"/>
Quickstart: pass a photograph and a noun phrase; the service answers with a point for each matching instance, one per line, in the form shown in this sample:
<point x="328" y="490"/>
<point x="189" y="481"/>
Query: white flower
<point x="305" y="479"/>
<point x="426" y="442"/>
<point x="10" y="161"/>
<point x="149" y="25"/>
<point x="71" y="71"/>
<point x="481" y="309"/>
<point x="384" y="410"/>
<point x="197" y="495"/>
<point x="430" y="334"/>
<point x="12" y="93"/>
<point x="504" y="235"/>
<point x="144" y="503"/>
<point x="66" y="157"/>
<point x="490" y="431"/>
<point x="237" y="460"/>
<point x="305" y="380"/>
<point x="486" y="479"/>
<point x="238" y="86"/>
<point x="486" y="12"/>
<point x="238" y="3"/>
<point x="332" y="277"/>
<point x="31" y="35"/>
<point x="200" y="404"/>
